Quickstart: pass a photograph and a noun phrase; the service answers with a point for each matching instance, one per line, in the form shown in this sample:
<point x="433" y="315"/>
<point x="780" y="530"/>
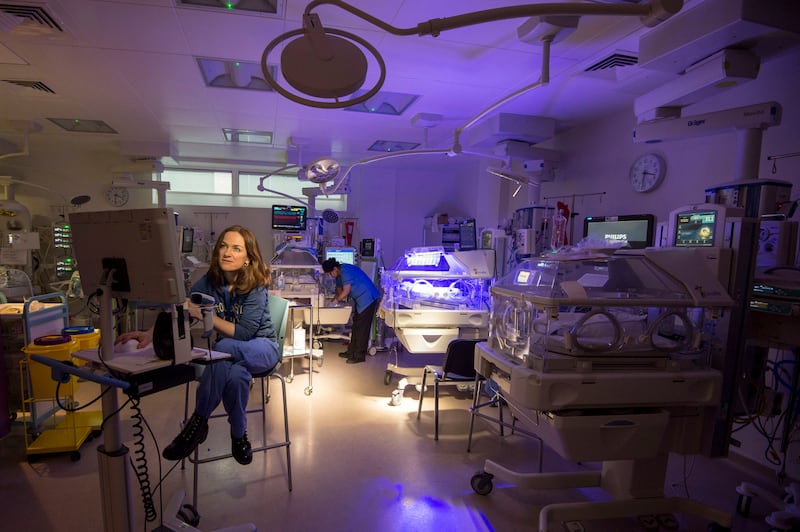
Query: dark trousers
<point x="359" y="336"/>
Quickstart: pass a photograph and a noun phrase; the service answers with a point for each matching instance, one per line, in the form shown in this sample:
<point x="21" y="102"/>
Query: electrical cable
<point x="139" y="463"/>
<point x="74" y="408"/>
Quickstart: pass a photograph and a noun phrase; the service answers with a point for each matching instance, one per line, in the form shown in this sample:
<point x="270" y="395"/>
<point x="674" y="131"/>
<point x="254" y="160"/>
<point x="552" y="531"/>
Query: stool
<point x="279" y="311"/>
<point x="263" y="379"/>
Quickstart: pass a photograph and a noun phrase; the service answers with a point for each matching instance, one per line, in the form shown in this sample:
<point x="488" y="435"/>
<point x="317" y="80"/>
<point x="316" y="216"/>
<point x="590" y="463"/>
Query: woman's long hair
<point x="252" y="275"/>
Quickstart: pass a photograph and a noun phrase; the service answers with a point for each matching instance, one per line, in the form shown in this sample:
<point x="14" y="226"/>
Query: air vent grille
<point x="35" y="85"/>
<point x="34" y="14"/>
<point x="612" y="61"/>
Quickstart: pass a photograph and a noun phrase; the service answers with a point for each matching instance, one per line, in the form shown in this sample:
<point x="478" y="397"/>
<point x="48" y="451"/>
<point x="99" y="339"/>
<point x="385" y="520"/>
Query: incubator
<point x="607" y="357"/>
<point x="432" y="297"/>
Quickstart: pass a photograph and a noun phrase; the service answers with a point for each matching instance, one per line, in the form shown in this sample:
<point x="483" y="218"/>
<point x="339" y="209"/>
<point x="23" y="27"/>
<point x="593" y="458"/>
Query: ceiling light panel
<point x="385" y="103"/>
<point x="79" y="125"/>
<point x="233" y="74"/>
<point x="392" y="146"/>
<point x="266" y="7"/>
<point x="247" y="135"/>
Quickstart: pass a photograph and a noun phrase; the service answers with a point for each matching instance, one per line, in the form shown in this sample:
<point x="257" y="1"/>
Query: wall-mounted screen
<point x="289" y="217"/>
<point x="342" y="255"/>
<point x="636" y="230"/>
<point x="695" y="228"/>
<point x="468" y="234"/>
<point x="187" y="239"/>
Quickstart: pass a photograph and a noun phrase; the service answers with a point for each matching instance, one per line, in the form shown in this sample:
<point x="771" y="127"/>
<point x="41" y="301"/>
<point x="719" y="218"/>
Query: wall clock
<point x="647" y="172"/>
<point x="117" y="196"/>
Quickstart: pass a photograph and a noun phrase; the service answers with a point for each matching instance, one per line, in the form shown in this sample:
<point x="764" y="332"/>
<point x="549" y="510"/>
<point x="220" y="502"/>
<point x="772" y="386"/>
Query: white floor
<point x="359" y="464"/>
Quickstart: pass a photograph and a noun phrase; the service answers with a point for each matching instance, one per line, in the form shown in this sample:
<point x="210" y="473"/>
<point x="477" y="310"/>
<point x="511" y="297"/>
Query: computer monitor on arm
<point x="133" y="255"/>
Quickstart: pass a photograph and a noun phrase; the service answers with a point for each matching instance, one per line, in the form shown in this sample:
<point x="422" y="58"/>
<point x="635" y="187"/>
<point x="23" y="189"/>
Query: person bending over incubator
<point x="237" y="280"/>
<point x="351" y="281"/>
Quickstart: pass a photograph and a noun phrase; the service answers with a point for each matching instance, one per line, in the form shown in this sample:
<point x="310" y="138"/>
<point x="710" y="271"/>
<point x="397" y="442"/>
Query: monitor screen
<point x="137" y="246"/>
<point x="695" y="228"/>
<point x="469" y="238"/>
<point x="289" y="217"/>
<point x="342" y="255"/>
<point x="637" y="230"/>
<point x="187" y="239"/>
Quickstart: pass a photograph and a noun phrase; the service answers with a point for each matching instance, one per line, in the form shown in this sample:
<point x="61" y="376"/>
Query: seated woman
<point x="237" y="279"/>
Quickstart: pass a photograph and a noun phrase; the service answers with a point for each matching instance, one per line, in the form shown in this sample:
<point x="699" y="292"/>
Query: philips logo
<point x="693" y="123"/>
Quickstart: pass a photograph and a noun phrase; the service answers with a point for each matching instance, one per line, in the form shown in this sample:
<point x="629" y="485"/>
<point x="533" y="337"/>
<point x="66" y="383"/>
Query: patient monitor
<point x="134" y="254"/>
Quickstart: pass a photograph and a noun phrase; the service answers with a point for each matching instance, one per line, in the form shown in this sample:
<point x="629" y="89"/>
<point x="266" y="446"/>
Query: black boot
<point x="345" y="354"/>
<point x="241" y="450"/>
<point x="193" y="434"/>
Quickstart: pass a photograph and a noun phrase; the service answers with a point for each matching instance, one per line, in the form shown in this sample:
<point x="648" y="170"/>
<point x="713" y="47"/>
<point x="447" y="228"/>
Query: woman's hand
<point x="194" y="310"/>
<point x="144" y="338"/>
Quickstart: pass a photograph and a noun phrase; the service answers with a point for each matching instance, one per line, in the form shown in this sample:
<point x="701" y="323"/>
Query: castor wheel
<point x="743" y="505"/>
<point x="289" y="379"/>
<point x="308" y="390"/>
<point x="387" y="377"/>
<point x="74" y="456"/>
<point x="372" y="351"/>
<point x="481" y="483"/>
<point x="189" y="515"/>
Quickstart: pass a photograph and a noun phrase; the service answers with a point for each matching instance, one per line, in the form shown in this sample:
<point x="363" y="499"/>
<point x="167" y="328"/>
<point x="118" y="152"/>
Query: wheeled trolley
<point x="302" y="342"/>
<point x="52" y="424"/>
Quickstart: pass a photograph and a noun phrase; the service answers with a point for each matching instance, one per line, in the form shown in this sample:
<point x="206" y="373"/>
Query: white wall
<point x="598" y="156"/>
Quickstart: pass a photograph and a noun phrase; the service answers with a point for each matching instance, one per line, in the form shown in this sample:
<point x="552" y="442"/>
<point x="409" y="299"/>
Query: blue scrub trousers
<point x="228" y="381"/>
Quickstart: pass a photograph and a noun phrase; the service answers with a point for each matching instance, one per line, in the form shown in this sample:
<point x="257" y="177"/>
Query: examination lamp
<point x="322" y="63"/>
<point x="322" y="170"/>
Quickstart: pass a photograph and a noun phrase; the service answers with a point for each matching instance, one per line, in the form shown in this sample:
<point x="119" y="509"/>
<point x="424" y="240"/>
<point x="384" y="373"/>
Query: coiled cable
<point x="139" y="463"/>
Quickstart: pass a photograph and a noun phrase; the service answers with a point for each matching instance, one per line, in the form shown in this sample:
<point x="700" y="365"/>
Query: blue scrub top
<point x="362" y="289"/>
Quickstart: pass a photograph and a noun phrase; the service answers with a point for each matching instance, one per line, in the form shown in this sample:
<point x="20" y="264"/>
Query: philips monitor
<point x="289" y="217"/>
<point x="342" y="255"/>
<point x="635" y="230"/>
<point x="137" y="248"/>
<point x="468" y="236"/>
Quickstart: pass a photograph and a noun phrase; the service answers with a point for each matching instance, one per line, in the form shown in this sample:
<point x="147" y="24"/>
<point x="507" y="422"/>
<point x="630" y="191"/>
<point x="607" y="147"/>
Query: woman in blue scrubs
<point x="237" y="280"/>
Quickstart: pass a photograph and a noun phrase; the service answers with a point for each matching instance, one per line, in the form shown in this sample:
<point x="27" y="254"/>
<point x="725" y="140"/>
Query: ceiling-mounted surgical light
<point x="325" y="63"/>
<point x="320" y="171"/>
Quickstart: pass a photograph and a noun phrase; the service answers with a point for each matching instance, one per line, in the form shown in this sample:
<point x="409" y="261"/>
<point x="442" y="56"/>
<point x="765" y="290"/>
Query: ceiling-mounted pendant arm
<point x="544" y="79"/>
<point x="343" y="176"/>
<point x="274" y="172"/>
<point x="362" y="15"/>
<point x="288" y="196"/>
<point x="650" y="13"/>
<point x="316" y="34"/>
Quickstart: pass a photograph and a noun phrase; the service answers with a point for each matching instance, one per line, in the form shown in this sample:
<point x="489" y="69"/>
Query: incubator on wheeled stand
<point x="430" y="298"/>
<point x="607" y="358"/>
